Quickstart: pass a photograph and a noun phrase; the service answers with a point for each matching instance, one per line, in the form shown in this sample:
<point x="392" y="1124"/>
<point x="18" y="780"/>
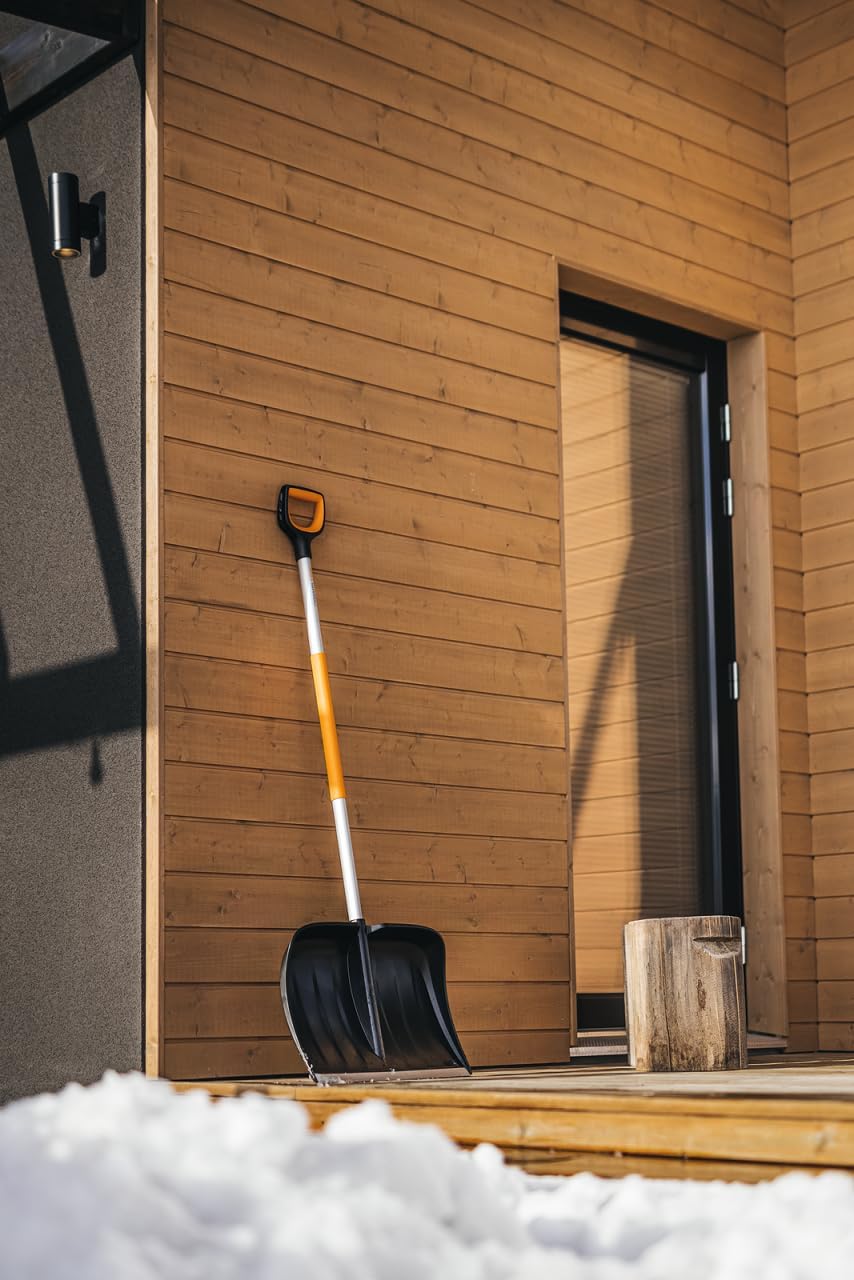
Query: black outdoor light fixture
<point x="70" y="219"/>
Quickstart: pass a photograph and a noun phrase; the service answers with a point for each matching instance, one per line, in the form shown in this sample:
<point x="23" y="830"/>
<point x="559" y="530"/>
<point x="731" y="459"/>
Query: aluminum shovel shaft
<point x="329" y="736"/>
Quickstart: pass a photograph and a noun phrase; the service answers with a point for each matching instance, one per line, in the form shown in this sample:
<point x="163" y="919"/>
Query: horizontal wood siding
<point x="820" y="55"/>
<point x="364" y="210"/>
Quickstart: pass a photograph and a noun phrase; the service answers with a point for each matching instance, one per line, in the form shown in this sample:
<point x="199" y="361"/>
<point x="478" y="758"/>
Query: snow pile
<point x="129" y="1181"/>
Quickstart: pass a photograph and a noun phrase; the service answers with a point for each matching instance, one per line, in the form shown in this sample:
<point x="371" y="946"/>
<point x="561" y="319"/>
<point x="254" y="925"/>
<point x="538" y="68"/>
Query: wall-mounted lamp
<point x="69" y="219"/>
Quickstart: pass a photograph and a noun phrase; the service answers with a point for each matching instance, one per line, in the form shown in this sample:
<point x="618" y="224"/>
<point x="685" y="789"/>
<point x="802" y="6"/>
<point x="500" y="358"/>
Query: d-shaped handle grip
<point x="301" y="533"/>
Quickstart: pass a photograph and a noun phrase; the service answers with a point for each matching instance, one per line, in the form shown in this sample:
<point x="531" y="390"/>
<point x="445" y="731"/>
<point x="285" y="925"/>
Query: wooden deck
<point x="784" y="1112"/>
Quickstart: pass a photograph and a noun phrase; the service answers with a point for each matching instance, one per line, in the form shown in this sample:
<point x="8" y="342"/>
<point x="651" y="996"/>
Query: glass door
<point x="648" y="641"/>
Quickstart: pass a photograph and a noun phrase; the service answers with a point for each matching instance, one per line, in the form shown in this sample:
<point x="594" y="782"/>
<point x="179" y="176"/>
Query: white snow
<point x="127" y="1180"/>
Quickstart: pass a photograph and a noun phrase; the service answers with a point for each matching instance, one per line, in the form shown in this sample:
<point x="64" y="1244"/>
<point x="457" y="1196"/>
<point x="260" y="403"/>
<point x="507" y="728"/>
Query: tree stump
<point x="685" y="1008"/>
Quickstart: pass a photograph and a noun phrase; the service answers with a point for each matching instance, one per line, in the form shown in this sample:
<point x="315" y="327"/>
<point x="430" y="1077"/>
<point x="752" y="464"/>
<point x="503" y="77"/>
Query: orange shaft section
<point x="328" y="728"/>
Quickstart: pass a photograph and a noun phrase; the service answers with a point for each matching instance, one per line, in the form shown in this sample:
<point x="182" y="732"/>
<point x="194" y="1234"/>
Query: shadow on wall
<point x="648" y="653"/>
<point x="101" y="695"/>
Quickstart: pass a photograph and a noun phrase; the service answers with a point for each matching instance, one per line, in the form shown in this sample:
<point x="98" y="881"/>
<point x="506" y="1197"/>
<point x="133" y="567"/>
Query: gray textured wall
<point x="70" y="570"/>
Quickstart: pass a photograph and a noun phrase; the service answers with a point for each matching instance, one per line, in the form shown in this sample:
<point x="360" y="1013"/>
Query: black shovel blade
<point x="324" y="994"/>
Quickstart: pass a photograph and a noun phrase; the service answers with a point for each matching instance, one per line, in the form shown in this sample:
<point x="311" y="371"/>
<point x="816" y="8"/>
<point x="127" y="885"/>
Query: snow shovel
<point x="363" y="1002"/>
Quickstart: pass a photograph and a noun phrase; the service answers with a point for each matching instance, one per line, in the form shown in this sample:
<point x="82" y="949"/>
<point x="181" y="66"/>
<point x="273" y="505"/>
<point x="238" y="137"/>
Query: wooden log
<point x="685" y="1006"/>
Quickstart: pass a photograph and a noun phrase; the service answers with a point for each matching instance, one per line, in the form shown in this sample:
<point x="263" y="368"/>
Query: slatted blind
<point x="631" y="649"/>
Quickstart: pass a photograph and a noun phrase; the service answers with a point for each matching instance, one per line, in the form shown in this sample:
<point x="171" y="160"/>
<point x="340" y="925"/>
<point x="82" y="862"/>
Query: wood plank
<point x="836" y="1001"/>
<point x="801" y="10"/>
<point x="819" y="32"/>
<point x="347" y="61"/>
<point x="204" y="525"/>
<point x="832" y="749"/>
<point x="783" y="430"/>
<point x="795" y="752"/>
<point x="257" y="277"/>
<point x="293" y="747"/>
<point x="365" y="433"/>
<point x="826" y="548"/>
<point x="746" y="29"/>
<point x="835" y="1035"/>
<point x="244" y="688"/>
<point x="801" y="959"/>
<point x="198" y="1059"/>
<point x="253" y="848"/>
<point x="820" y="110"/>
<point x="218" y="579"/>
<point x="204" y="791"/>
<point x="792" y="711"/>
<point x="670" y="32"/>
<point x="833" y="792"/>
<point x="824" y="187"/>
<point x="815" y="310"/>
<point x="256" y="902"/>
<point x="795" y="792"/>
<point x="444" y="60"/>
<point x="211" y="955"/>
<point x="373" y="241"/>
<point x="831" y="345"/>
<point x="830" y="146"/>
<point x="800" y="917"/>
<point x="572" y="68"/>
<point x="798" y="878"/>
<point x="258" y="331"/>
<point x="786" y="547"/>
<point x="247" y="1011"/>
<point x="828" y="386"/>
<point x="832" y="834"/>
<point x="274" y="138"/>
<point x="791" y="672"/>
<point x="814" y="1131"/>
<point x="249" y="481"/>
<point x="828" y="505"/>
<point x="269" y="642"/>
<point x="631" y="50"/>
<point x="828" y="588"/>
<point x="343" y="65"/>
<point x="829" y="628"/>
<point x="832" y="464"/>
<point x="831" y="260"/>
<point x="500" y="206"/>
<point x="835" y="958"/>
<point x="803" y="1001"/>
<point x="830" y="669"/>
<point x="822" y="71"/>
<point x="834" y="875"/>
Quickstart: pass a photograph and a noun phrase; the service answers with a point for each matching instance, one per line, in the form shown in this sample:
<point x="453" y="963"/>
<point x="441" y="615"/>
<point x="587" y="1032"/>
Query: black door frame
<point x="705" y="357"/>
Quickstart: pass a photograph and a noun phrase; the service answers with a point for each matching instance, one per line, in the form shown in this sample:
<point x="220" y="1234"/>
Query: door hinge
<point x="728" y="499"/>
<point x="726" y="424"/>
<point x="734" y="689"/>
<point x="743" y="945"/>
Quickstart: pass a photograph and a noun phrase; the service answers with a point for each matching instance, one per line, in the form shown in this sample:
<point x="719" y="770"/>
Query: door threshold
<point x="607" y="1044"/>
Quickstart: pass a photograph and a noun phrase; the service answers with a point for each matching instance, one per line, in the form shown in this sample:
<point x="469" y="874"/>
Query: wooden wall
<point x="364" y="208"/>
<point x="820" y="59"/>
